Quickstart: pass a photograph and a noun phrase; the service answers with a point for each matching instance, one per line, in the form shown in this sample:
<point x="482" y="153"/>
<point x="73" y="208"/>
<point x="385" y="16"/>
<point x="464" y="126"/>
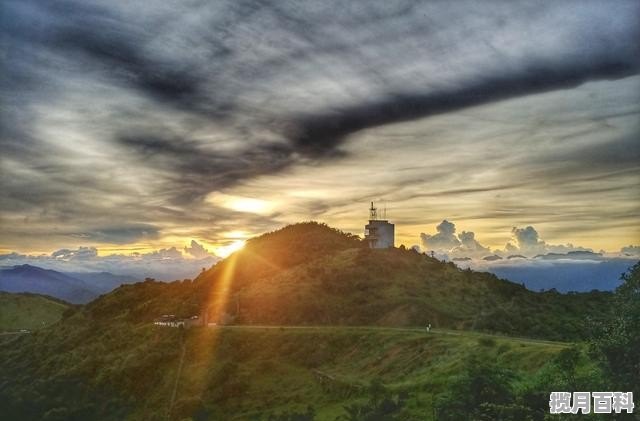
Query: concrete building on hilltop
<point x="379" y="233"/>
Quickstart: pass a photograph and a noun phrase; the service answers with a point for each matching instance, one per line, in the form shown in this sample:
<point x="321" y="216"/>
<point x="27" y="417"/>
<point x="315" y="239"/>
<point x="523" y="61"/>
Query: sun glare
<point x="246" y="204"/>
<point x="225" y="251"/>
<point x="240" y="203"/>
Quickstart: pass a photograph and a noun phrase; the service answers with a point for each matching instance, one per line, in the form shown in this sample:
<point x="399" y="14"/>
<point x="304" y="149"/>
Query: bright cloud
<point x="525" y="241"/>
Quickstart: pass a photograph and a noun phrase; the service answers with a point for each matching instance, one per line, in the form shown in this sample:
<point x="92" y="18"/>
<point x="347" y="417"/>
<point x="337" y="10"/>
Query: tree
<point x="482" y="391"/>
<point x="616" y="340"/>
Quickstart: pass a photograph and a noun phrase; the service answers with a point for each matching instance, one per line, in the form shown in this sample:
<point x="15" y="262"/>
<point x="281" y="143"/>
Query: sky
<point x="161" y="129"/>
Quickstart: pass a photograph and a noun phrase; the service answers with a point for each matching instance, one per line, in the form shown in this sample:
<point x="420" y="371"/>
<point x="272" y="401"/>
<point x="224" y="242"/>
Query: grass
<point x="280" y="366"/>
<point x="244" y="372"/>
<point x="28" y="311"/>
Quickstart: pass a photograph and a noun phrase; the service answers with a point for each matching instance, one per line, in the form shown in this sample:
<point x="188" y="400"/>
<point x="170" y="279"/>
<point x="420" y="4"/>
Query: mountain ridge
<point x="73" y="287"/>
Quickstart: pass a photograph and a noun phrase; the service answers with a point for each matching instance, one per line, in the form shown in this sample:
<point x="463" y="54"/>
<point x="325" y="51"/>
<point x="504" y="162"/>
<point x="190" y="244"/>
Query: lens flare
<point x="225" y="251"/>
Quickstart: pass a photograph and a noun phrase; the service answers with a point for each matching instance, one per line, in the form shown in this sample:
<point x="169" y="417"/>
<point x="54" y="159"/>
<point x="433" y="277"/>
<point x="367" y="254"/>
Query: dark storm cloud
<point x="322" y="132"/>
<point x="164" y="80"/>
<point x="225" y="66"/>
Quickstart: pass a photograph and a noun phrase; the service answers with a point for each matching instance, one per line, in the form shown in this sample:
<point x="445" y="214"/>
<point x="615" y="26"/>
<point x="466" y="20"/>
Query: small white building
<point x="170" y="320"/>
<point x="379" y="233"/>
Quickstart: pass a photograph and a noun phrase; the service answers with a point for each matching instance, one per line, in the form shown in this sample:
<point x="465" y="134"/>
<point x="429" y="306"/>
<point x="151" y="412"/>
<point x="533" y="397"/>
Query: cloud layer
<point x="165" y="264"/>
<point x="525" y="242"/>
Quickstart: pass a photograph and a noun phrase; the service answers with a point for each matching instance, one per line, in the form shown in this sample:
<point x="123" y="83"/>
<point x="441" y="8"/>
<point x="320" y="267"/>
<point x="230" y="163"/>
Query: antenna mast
<point x="373" y="213"/>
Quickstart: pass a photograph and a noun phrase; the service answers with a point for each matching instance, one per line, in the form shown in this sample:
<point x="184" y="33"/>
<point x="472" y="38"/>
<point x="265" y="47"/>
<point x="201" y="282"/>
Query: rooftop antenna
<point x="373" y="213"/>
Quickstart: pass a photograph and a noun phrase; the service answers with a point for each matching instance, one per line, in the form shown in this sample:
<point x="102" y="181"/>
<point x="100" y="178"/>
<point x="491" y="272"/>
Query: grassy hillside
<point x="130" y="372"/>
<point x="28" y="311"/>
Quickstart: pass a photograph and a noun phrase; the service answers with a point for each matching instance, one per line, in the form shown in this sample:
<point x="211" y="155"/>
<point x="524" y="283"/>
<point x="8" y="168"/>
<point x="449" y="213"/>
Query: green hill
<point x="345" y="326"/>
<point x="123" y="371"/>
<point x="291" y="277"/>
<point x="28" y="311"/>
<point x="310" y="274"/>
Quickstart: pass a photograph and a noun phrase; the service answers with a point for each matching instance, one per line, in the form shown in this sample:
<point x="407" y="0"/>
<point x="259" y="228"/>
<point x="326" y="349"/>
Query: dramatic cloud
<point x="470" y="246"/>
<point x="446" y="243"/>
<point x="197" y="250"/>
<point x="528" y="243"/>
<point x="81" y="253"/>
<point x="445" y="239"/>
<point x="533" y="262"/>
<point x="139" y="111"/>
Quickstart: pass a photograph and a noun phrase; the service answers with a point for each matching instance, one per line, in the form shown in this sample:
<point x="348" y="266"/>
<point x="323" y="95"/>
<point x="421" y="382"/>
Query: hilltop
<point x="311" y="274"/>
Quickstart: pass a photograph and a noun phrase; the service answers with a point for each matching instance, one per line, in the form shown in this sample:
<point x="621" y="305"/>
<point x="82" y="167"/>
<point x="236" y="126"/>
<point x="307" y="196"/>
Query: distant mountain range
<point x="566" y="276"/>
<point x="76" y="287"/>
<point x="575" y="271"/>
<point x="102" y="282"/>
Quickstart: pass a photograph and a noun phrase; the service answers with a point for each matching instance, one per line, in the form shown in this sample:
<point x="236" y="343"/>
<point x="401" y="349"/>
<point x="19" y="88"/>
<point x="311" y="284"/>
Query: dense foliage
<point x="616" y="340"/>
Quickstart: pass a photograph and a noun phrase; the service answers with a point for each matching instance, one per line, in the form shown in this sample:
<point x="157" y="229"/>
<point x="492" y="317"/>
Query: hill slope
<point x="122" y="372"/>
<point x="28" y="311"/>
